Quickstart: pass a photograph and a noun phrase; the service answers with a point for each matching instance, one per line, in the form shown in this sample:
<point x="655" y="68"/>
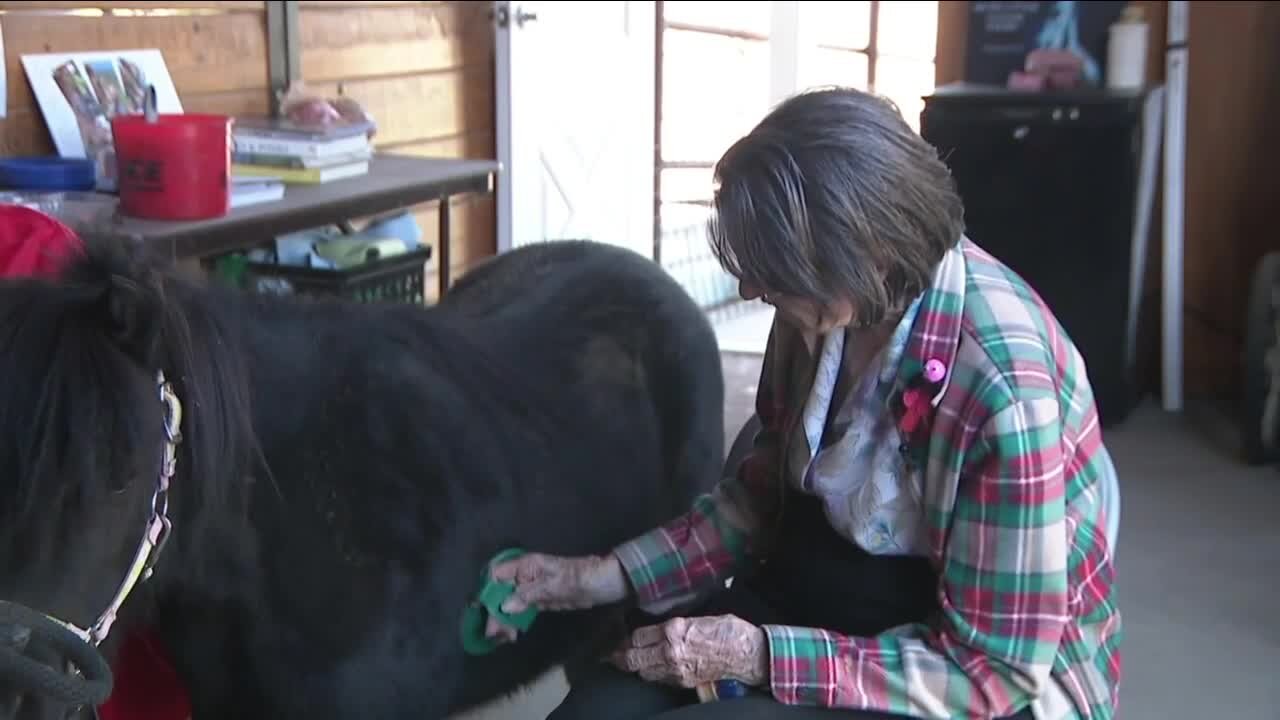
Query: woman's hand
<point x="549" y="582"/>
<point x="691" y="651"/>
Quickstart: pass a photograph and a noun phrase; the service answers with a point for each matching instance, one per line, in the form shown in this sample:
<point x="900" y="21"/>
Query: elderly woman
<point x="917" y="529"/>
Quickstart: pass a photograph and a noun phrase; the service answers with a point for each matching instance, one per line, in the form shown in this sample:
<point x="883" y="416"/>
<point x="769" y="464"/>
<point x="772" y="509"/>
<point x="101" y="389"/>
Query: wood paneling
<point x="157" y="6"/>
<point x="235" y="102"/>
<point x="476" y="144"/>
<point x="341" y="41"/>
<point x="361" y="4"/>
<point x="953" y="31"/>
<point x="1232" y="148"/>
<point x="471" y="217"/>
<point x="425" y="73"/>
<point x="423" y="69"/>
<point x="418" y="107"/>
<point x="216" y="53"/>
<point x="23" y="133"/>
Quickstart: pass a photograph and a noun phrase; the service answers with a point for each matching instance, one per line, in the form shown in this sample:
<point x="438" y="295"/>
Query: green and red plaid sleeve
<point x="680" y="560"/>
<point x="1003" y="593"/>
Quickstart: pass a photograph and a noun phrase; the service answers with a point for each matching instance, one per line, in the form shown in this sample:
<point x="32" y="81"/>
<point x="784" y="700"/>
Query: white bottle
<point x="1127" y="51"/>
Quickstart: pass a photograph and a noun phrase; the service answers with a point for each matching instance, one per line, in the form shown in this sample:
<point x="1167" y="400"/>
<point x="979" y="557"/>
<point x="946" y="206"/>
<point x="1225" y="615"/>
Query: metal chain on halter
<point x="160" y="500"/>
<point x="158" y="525"/>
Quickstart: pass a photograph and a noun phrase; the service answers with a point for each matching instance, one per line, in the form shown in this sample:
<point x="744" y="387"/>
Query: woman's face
<point x="804" y="314"/>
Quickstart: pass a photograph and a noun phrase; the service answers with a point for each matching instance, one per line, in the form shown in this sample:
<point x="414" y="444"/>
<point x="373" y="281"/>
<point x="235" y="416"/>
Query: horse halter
<point x="158" y="526"/>
<point x="90" y="681"/>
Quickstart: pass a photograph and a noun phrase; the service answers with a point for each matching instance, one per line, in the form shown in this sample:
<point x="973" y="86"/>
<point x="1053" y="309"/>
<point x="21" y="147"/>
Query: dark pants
<point x="814" y="578"/>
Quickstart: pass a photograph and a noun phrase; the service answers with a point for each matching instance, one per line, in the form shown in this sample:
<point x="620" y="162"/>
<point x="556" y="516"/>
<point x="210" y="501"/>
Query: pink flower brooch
<point x="916" y="409"/>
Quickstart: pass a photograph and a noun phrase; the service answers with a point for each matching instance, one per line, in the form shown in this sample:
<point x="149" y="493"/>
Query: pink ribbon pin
<point x="917" y="408"/>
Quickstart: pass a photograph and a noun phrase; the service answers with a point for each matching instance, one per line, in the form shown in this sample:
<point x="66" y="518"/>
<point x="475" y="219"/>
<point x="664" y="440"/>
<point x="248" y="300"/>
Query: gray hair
<point x="833" y="196"/>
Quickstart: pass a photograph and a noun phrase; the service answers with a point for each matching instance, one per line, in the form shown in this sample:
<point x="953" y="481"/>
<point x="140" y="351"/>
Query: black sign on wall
<point x="1002" y="33"/>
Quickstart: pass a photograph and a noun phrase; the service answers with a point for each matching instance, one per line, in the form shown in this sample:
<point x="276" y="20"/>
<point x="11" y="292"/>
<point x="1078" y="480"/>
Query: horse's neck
<point x="236" y="345"/>
<point x="310" y="373"/>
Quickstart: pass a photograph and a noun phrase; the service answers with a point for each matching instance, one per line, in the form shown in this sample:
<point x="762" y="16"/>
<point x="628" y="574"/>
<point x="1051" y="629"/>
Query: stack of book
<point x="276" y="149"/>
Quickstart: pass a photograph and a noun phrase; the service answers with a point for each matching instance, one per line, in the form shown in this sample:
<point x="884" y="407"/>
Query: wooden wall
<point x="423" y="69"/>
<point x="216" y="53"/>
<point x="953" y="24"/>
<point x="425" y="72"/>
<point x="1232" y="152"/>
<point x="1233" y="94"/>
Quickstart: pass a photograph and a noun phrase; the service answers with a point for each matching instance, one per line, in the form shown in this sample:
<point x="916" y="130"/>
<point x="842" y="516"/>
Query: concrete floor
<point x="1198" y="567"/>
<point x="1198" y="562"/>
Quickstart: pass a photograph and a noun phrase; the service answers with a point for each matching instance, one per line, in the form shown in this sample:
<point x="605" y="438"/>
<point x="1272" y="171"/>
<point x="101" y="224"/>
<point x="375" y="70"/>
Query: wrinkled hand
<point x="549" y="582"/>
<point x="691" y="651"/>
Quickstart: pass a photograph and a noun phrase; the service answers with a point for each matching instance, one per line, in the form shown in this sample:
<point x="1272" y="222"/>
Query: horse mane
<point x="84" y="348"/>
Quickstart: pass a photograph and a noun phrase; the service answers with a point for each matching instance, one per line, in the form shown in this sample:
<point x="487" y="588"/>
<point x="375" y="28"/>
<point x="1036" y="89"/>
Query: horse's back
<point x="640" y="376"/>
<point x="635" y="324"/>
<point x="552" y="272"/>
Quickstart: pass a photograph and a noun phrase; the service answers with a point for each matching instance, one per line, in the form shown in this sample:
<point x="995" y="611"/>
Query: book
<point x="299" y="148"/>
<point x="301" y="176"/>
<point x="300" y="163"/>
<point x="252" y="192"/>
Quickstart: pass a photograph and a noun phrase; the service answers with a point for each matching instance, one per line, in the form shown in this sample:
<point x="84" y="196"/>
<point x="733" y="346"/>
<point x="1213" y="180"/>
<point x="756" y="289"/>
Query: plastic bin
<point x="398" y="279"/>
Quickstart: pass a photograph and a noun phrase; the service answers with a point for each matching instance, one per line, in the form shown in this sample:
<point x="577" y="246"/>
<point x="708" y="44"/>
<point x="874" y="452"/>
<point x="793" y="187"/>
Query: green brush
<point x="489" y="602"/>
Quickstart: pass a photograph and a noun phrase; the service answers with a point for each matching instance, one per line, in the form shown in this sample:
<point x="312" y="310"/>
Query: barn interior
<point x="1138" y="208"/>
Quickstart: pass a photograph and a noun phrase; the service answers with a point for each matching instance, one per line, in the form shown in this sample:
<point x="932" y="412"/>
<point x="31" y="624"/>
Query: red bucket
<point x="176" y="168"/>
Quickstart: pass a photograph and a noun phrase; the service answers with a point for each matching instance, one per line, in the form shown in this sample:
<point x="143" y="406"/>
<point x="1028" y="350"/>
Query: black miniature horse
<point x="344" y="472"/>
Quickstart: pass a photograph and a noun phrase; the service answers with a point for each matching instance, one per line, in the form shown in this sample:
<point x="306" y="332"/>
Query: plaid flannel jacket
<point x="1014" y="522"/>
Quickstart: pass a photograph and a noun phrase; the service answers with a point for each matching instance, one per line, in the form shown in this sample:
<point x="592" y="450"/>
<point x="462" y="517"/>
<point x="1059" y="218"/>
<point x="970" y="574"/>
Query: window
<point x="887" y="47"/>
<point x="715" y="86"/>
<point x="716" y="70"/>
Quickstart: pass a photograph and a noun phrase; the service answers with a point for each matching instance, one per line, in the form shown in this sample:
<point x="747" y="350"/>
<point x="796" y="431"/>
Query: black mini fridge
<point x="1050" y="186"/>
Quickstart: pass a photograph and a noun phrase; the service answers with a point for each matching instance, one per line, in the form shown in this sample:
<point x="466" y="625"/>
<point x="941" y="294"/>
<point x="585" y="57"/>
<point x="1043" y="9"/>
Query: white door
<point x="574" y="111"/>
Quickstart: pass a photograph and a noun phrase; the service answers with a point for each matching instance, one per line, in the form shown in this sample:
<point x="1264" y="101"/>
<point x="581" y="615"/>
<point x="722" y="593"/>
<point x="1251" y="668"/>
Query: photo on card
<point x="80" y="92"/>
<point x="109" y="89"/>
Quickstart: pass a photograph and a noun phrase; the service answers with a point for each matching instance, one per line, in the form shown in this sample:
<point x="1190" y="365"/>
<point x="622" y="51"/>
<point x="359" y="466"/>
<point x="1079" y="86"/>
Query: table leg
<point x="443" y="261"/>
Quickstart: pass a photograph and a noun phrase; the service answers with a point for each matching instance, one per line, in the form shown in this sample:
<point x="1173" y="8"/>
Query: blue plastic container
<point x="47" y="173"/>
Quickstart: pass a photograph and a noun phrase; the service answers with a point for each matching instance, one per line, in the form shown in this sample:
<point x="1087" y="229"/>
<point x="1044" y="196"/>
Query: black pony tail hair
<point x="74" y="350"/>
<point x="127" y="296"/>
<point x="112" y="312"/>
